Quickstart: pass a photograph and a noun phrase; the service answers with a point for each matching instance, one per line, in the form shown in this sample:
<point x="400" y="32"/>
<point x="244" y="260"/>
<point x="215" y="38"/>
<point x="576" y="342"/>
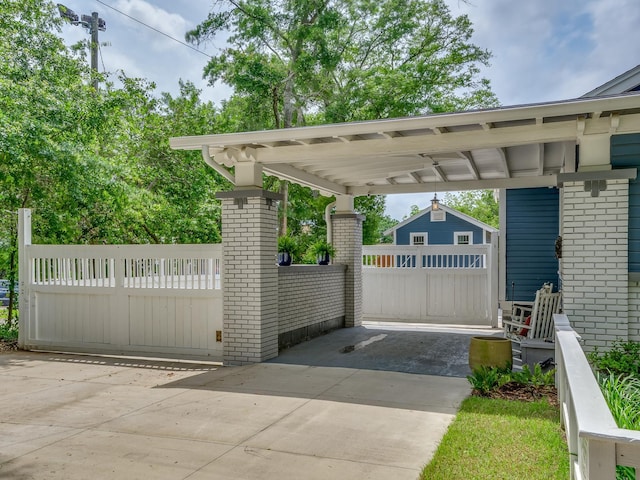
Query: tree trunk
<point x="288" y="101"/>
<point x="284" y="191"/>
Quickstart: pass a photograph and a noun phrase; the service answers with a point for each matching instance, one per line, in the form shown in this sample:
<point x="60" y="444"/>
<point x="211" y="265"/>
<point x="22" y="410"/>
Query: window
<point x="419" y="238"/>
<point x="463" y="238"/>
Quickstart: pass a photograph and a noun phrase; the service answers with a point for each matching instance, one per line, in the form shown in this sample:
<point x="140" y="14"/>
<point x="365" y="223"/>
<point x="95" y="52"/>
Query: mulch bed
<point x="8" y="345"/>
<point x="524" y="393"/>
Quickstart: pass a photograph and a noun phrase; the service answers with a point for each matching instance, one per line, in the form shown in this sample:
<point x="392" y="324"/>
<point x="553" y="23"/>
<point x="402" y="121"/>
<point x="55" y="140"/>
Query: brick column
<point x="347" y="240"/>
<point x="250" y="275"/>
<point x="595" y="278"/>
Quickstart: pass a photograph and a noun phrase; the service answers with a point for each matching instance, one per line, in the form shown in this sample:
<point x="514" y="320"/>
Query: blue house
<point x="441" y="226"/>
<point x="530" y="217"/>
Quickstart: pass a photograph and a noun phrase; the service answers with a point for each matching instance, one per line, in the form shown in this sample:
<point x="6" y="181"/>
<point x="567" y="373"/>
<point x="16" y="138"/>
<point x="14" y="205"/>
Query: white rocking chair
<point x="534" y="321"/>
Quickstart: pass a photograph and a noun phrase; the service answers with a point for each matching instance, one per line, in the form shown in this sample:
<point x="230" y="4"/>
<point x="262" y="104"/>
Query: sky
<point x="543" y="50"/>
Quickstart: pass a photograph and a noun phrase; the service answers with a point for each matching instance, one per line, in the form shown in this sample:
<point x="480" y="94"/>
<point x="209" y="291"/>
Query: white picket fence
<point x="596" y="444"/>
<point x="164" y="300"/>
<point x="452" y="284"/>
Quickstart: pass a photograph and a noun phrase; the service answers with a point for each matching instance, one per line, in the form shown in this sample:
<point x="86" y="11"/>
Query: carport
<point x="506" y="148"/>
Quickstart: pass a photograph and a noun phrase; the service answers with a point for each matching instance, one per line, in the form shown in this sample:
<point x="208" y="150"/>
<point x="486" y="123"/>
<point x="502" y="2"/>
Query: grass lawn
<point x="502" y="439"/>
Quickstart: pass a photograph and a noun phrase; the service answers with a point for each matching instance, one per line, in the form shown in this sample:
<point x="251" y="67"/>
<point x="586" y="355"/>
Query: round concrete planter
<point x="490" y="352"/>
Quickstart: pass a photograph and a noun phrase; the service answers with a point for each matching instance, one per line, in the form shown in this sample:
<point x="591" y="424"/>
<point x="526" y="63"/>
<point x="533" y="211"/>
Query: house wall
<point x="625" y="153"/>
<point x="530" y="230"/>
<point x="440" y="233"/>
<point x="311" y="301"/>
<point x="596" y="294"/>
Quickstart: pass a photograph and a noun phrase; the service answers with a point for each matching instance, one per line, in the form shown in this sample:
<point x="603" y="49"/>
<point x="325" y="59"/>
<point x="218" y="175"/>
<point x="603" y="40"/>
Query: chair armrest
<point x="515" y="324"/>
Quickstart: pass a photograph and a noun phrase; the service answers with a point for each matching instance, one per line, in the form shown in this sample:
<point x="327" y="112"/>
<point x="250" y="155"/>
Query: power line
<point x="155" y="29"/>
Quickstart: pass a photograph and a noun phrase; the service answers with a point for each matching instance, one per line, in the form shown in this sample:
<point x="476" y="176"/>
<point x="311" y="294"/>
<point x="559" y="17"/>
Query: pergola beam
<point x="287" y="172"/>
<point x="497" y="183"/>
<point x="416" y="177"/>
<point x="503" y="160"/>
<point x="471" y="164"/>
<point x="437" y="170"/>
<point x="433" y="144"/>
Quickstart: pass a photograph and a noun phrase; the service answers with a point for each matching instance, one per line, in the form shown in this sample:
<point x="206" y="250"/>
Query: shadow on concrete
<point x="402" y="347"/>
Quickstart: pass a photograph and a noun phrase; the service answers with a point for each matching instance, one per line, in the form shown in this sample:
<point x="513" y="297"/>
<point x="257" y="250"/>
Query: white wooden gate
<point x="164" y="300"/>
<point x="446" y="284"/>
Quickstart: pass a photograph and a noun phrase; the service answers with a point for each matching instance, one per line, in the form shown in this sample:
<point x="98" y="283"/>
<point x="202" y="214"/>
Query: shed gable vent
<point x="438" y="215"/>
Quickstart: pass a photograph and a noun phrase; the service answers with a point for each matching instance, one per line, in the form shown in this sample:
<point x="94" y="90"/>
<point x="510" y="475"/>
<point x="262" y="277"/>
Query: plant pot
<point x="490" y="352"/>
<point x="323" y="258"/>
<point x="284" y="259"/>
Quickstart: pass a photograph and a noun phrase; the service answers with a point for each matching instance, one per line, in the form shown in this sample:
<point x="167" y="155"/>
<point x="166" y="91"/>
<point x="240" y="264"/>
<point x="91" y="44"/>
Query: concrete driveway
<point x="78" y="417"/>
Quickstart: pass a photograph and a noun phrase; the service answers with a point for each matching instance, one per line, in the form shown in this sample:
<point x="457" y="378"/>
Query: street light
<point x="94" y="24"/>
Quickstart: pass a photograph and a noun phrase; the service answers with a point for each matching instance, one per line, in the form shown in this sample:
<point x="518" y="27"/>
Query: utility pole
<point x="94" y="47"/>
<point x="95" y="24"/>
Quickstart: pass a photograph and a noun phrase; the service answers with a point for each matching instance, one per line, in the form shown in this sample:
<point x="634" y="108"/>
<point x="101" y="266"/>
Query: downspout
<point x="327" y="219"/>
<point x="217" y="167"/>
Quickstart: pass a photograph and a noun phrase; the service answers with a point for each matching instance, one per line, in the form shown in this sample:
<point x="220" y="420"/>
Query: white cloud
<point x="172" y="24"/>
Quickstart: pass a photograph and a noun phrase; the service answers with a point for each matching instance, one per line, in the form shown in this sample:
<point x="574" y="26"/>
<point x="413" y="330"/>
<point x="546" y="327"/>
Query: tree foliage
<point x="479" y="204"/>
<point x="348" y="60"/>
<point x="95" y="166"/>
<point x="295" y="62"/>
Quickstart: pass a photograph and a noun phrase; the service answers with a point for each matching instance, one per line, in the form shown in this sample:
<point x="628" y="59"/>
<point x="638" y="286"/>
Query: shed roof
<point x="509" y="147"/>
<point x="450" y="211"/>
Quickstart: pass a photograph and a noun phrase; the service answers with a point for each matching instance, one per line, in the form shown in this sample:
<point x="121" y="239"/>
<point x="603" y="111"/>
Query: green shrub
<point x="8" y="332"/>
<point x="622" y="394"/>
<point x="622" y="359"/>
<point x="485" y="379"/>
<point x="537" y="378"/>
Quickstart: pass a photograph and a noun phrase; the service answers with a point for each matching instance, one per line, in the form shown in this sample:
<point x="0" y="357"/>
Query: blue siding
<point x="625" y="153"/>
<point x="532" y="226"/>
<point x="439" y="233"/>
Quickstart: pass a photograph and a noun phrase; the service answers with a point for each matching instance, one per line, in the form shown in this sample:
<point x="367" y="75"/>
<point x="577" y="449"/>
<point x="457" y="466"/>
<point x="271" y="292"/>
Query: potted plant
<point x="323" y="252"/>
<point x="287" y="247"/>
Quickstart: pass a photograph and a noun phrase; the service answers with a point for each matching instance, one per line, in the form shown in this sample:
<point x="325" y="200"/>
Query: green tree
<point x="348" y="60"/>
<point x="174" y="192"/>
<point x="342" y="60"/>
<point x="49" y="114"/>
<point x="479" y="204"/>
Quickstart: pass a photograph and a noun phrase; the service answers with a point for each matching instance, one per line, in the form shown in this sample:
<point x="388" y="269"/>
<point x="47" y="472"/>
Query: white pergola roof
<point x="510" y="147"/>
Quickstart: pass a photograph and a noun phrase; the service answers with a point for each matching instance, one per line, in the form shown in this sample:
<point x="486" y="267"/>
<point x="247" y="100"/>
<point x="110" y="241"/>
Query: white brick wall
<point x="347" y="239"/>
<point x="309" y="295"/>
<point x="594" y="264"/>
<point x="250" y="281"/>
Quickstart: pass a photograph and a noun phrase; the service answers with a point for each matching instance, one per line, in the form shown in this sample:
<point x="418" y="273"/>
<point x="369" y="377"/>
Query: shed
<point x="441" y="226"/>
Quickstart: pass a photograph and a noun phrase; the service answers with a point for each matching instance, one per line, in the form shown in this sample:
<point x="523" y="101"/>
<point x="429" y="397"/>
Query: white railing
<point x="430" y="256"/>
<point x="183" y="267"/>
<point x="596" y="444"/>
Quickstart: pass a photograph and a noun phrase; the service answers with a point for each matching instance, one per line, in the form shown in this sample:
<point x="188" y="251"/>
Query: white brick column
<point x="250" y="277"/>
<point x="347" y="240"/>
<point x="594" y="267"/>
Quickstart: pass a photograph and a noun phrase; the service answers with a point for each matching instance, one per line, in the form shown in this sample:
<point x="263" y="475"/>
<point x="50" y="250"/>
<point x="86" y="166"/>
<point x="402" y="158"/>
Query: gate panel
<point x="139" y="299"/>
<point x="431" y="284"/>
